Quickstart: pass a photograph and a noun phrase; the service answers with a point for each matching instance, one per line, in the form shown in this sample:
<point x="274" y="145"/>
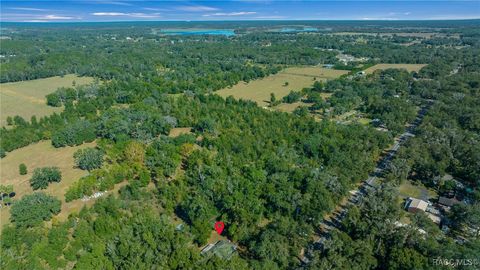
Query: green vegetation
<point x="292" y="97"/>
<point x="6" y="189"/>
<point x="88" y="158"/>
<point x="32" y="209"/>
<point x="271" y="177"/>
<point x="44" y="176"/>
<point x="99" y="180"/>
<point x="22" y="168"/>
<point x="75" y="134"/>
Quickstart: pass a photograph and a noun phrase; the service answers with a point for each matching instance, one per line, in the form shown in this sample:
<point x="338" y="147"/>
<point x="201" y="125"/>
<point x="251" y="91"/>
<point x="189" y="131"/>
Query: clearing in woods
<point x="27" y="98"/>
<point x="297" y="78"/>
<point x="408" y="67"/>
<point x="41" y="154"/>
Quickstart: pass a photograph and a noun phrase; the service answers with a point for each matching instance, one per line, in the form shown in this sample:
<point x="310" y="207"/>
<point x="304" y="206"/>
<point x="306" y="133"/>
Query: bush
<point x="9" y="121"/>
<point x="22" y="168"/>
<point x="6" y="189"/>
<point x="54" y="100"/>
<point x="44" y="176"/>
<point x="292" y="97"/>
<point x="88" y="158"/>
<point x="33" y="209"/>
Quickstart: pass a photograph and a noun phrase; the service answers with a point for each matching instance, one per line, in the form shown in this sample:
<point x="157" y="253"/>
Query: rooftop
<point x="223" y="249"/>
<point x="416" y="203"/>
<point x="447" y="201"/>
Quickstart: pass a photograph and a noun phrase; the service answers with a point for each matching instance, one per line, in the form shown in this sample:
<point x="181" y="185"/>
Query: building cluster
<point x="437" y="211"/>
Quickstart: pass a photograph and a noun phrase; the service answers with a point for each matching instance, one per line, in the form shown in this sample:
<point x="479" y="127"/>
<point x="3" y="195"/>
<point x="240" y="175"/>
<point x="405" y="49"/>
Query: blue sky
<point x="118" y="10"/>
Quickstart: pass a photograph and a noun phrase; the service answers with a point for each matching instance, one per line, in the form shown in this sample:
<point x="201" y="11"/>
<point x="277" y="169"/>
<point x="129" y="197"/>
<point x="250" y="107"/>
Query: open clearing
<point x="39" y="155"/>
<point x="175" y="132"/>
<point x="27" y="98"/>
<point x="297" y="78"/>
<point x="419" y="191"/>
<point x="408" y="67"/>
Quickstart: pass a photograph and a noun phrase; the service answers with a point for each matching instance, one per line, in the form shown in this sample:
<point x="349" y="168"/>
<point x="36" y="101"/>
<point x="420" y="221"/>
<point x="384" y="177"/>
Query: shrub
<point x="54" y="100"/>
<point x="22" y="168"/>
<point x="292" y="97"/>
<point x="44" y="176"/>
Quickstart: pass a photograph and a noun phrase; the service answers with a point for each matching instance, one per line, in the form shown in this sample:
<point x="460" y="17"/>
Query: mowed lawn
<point x="297" y="78"/>
<point x="38" y="155"/>
<point x="408" y="67"/>
<point x="27" y="98"/>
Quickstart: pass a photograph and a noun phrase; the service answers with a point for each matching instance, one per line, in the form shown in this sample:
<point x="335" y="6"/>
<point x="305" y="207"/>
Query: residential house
<point x="414" y="205"/>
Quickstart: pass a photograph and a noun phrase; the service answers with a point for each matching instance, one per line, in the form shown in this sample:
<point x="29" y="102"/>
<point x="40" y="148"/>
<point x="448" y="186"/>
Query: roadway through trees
<point x="355" y="196"/>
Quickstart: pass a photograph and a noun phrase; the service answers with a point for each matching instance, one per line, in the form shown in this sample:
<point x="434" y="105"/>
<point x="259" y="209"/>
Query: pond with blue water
<point x="186" y="32"/>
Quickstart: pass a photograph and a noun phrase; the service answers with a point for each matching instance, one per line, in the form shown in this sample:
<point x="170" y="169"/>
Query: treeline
<point x="170" y="63"/>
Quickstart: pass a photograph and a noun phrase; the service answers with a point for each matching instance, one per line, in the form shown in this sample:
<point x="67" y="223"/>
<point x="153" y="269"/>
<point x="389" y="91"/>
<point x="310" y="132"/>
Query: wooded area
<point x="270" y="176"/>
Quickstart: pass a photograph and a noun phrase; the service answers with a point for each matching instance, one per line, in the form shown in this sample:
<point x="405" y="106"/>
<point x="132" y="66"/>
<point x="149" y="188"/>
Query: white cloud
<point x="42" y="18"/>
<point x="109" y="14"/>
<point x="28" y="9"/>
<point x="34" y="21"/>
<point x="241" y="13"/>
<point x="156" y="9"/>
<point x="133" y="15"/>
<point x="55" y="17"/>
<point x="196" y="8"/>
<point x="143" y="15"/>
<point x="399" y="13"/>
<point x="114" y="3"/>
<point x="270" y="17"/>
<point x="379" y="19"/>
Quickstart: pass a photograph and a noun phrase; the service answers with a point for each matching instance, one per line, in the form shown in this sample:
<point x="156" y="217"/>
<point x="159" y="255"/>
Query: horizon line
<point x="247" y="20"/>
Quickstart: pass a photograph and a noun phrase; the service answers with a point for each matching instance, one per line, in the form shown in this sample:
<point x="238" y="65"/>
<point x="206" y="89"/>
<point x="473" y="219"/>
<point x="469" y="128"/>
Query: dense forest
<point x="270" y="176"/>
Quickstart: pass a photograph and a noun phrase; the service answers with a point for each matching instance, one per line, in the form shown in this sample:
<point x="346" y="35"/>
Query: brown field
<point x="289" y="107"/>
<point x="39" y="155"/>
<point x="27" y="98"/>
<point x="175" y="132"/>
<point x="408" y="67"/>
<point x="297" y="78"/>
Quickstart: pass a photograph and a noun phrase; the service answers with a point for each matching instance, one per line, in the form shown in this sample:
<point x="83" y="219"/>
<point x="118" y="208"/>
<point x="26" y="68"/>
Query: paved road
<point x="355" y="196"/>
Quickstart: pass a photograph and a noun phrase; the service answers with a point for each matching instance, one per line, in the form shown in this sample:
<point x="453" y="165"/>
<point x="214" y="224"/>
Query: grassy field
<point x="175" y="132"/>
<point x="38" y="155"/>
<point x="408" y="189"/>
<point x="408" y="67"/>
<point x="290" y="107"/>
<point x="297" y="78"/>
<point x="27" y="98"/>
